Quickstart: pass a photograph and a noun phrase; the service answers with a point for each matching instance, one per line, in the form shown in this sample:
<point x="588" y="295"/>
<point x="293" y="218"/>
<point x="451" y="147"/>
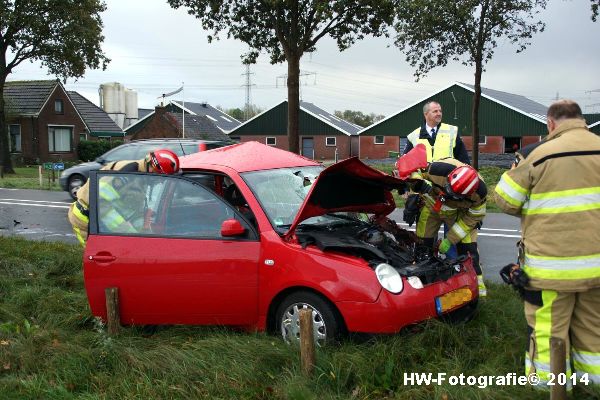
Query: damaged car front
<point x="336" y="219"/>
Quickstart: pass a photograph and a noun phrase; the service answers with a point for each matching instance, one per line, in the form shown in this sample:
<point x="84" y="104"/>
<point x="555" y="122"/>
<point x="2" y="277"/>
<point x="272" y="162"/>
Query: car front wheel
<point x="75" y="182"/>
<point x="326" y="324"/>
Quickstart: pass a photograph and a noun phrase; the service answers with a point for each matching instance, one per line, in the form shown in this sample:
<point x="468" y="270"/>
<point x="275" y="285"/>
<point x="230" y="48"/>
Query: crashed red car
<point x="249" y="234"/>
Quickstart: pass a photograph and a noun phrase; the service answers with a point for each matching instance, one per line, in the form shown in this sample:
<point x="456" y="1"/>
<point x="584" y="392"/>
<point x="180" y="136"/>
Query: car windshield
<point x="281" y="192"/>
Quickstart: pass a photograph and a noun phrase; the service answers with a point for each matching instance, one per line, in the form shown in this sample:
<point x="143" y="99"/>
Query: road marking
<point x="37" y="201"/>
<point x="33" y="205"/>
<point x="478" y="233"/>
<point x="482" y="229"/>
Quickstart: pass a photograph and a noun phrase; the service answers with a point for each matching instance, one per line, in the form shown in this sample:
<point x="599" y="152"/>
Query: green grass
<point x="52" y="348"/>
<point x="28" y="178"/>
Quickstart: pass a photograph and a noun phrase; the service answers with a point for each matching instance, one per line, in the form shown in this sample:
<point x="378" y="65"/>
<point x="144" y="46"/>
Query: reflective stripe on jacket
<point x="443" y="147"/>
<point x="555" y="190"/>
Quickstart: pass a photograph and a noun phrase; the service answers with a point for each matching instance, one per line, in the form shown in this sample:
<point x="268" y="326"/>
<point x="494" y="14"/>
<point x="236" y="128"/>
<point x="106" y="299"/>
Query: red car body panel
<point x="164" y="280"/>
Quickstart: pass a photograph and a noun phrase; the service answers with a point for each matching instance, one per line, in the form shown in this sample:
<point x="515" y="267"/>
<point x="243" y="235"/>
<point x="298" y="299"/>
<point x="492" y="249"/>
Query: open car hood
<point x="350" y="186"/>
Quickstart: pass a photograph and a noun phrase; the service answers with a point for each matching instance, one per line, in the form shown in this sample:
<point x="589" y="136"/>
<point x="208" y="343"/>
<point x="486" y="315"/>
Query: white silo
<point x="112" y="100"/>
<point x="131" y="107"/>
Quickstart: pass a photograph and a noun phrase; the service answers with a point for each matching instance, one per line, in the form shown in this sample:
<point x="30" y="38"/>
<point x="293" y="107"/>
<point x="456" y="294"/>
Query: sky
<point x="155" y="49"/>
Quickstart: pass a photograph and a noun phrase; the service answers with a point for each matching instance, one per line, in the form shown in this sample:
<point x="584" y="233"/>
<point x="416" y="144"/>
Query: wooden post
<point x="40" y="175"/>
<point x="113" y="317"/>
<point x="307" y="341"/>
<point x="558" y="355"/>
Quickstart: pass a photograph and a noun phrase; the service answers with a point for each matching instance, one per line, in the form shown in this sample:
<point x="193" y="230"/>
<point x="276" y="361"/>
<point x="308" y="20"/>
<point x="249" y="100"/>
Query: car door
<point x="158" y="240"/>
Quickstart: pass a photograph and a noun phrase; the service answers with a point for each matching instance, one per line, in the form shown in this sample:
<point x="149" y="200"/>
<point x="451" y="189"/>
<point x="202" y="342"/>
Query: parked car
<point x="248" y="235"/>
<point x="73" y="178"/>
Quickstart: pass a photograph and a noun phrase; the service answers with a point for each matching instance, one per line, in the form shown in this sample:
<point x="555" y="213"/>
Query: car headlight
<point x="415" y="282"/>
<point x="389" y="278"/>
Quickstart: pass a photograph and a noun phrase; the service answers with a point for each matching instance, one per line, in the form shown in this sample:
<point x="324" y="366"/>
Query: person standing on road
<point x="555" y="188"/>
<point x="452" y="193"/>
<point x="441" y="140"/>
<point x="159" y="161"/>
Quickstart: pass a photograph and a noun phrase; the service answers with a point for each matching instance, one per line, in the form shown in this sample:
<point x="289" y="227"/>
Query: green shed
<point x="505" y="119"/>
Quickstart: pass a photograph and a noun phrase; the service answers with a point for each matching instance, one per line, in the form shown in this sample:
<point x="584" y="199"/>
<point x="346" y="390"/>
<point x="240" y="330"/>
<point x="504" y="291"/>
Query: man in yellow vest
<point x="441" y="140"/>
<point x="555" y="189"/>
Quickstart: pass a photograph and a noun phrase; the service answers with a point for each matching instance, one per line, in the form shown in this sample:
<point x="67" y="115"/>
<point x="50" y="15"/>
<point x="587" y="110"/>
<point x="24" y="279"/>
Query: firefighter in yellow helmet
<point x="159" y="161"/>
<point x="555" y="189"/>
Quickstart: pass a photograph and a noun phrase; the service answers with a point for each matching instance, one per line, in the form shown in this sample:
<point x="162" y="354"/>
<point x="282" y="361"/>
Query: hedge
<point x="89" y="150"/>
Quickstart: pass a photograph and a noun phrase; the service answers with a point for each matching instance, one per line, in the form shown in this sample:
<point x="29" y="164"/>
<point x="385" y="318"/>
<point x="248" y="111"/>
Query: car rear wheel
<point x="327" y="326"/>
<point x="75" y="182"/>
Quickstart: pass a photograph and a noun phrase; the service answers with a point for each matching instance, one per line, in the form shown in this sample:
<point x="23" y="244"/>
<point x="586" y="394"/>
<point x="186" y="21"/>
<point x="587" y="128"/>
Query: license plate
<point x="453" y="299"/>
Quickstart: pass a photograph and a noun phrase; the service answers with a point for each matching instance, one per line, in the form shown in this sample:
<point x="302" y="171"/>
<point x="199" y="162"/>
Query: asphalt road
<point x="42" y="215"/>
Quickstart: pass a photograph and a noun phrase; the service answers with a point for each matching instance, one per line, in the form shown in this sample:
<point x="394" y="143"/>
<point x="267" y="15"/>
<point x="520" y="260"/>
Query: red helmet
<point x="463" y="181"/>
<point x="163" y="161"/>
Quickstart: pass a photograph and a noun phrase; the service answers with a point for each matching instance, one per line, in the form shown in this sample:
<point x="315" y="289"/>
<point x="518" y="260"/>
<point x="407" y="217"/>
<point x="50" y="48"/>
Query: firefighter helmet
<point x="163" y="161"/>
<point x="463" y="181"/>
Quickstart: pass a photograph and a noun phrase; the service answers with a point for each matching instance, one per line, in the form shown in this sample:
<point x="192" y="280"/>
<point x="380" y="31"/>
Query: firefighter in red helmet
<point x="453" y="193"/>
<point x="161" y="161"/>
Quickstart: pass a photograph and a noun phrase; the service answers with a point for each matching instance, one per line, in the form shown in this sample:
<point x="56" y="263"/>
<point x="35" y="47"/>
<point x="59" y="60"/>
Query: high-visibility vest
<point x="445" y="140"/>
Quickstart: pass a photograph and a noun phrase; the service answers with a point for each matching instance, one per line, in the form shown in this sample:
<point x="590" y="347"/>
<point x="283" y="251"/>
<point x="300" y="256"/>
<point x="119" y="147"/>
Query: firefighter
<point x="453" y="193"/>
<point x="555" y="188"/>
<point x="441" y="140"/>
<point x="159" y="161"/>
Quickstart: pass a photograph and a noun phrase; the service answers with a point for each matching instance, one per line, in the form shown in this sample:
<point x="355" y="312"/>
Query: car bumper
<point x="392" y="312"/>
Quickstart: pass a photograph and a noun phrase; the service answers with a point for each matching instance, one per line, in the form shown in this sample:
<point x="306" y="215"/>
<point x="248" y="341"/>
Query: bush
<point x="89" y="150"/>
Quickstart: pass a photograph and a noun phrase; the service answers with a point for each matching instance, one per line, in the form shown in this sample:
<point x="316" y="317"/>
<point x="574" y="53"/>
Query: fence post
<point x="307" y="341"/>
<point x="558" y="355"/>
<point x="113" y="317"/>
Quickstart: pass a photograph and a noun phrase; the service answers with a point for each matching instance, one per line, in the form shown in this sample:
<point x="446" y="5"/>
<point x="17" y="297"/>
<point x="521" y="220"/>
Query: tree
<point x="287" y="29"/>
<point x="358" y="117"/>
<point x="433" y="32"/>
<point x="240" y="114"/>
<point x="595" y="8"/>
<point x="65" y="35"/>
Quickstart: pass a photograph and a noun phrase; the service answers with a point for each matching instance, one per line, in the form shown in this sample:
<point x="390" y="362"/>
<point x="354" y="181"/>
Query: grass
<point x="28" y="178"/>
<point x="52" y="348"/>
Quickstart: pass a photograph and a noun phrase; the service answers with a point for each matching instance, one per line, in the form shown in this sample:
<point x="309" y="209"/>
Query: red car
<point x="249" y="234"/>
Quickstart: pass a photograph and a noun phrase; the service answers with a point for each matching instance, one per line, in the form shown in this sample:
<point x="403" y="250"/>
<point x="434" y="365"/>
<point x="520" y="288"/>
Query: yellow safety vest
<point x="445" y="140"/>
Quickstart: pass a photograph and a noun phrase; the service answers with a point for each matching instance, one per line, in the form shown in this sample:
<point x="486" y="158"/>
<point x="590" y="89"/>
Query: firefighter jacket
<point x="79" y="211"/>
<point x="555" y="189"/>
<point x="446" y="143"/>
<point x="468" y="212"/>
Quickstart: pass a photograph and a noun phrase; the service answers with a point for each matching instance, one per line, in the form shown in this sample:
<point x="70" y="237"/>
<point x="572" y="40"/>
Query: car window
<point x="158" y="205"/>
<point x="123" y="152"/>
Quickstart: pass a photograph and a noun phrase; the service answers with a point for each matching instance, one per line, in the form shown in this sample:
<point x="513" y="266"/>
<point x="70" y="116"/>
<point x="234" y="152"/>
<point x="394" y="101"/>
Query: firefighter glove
<point x="422" y="187"/>
<point x="411" y="209"/>
<point x="444" y="246"/>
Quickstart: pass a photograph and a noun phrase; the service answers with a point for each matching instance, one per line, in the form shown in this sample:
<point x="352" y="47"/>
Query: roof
<point x="96" y="119"/>
<point x="530" y="108"/>
<point x="199" y="127"/>
<point x="28" y="97"/>
<point x="343" y="125"/>
<point x="337" y="123"/>
<point x="245" y="157"/>
<point x="516" y="101"/>
<point x="222" y="120"/>
<point x="143" y="112"/>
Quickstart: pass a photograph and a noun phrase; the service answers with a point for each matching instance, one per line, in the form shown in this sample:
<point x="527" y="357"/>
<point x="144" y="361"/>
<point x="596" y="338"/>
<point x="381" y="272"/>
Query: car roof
<point x="169" y="140"/>
<point x="245" y="157"/>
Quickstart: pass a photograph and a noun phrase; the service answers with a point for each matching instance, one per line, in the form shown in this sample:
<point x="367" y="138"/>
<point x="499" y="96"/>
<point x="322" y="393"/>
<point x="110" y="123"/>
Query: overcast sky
<point x="155" y="48"/>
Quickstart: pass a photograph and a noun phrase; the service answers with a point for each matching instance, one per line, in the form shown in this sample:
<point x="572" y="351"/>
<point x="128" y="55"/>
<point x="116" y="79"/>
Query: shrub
<point x="89" y="150"/>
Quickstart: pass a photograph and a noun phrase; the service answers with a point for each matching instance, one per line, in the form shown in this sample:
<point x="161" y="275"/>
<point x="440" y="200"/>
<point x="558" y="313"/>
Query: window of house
<point x="59" y="138"/>
<point x="15" y="138"/>
<point x="59" y="106"/>
<point x="330" y="141"/>
<point x="380" y="139"/>
<point x="482" y="139"/>
<point x="271" y="141"/>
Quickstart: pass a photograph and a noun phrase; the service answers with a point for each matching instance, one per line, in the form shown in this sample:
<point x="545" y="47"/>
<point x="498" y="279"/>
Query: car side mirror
<point x="232" y="227"/>
<point x="100" y="160"/>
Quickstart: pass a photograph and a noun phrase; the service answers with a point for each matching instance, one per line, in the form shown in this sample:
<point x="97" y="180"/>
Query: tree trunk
<point x="475" y="114"/>
<point x="293" y="85"/>
<point x="5" y="160"/>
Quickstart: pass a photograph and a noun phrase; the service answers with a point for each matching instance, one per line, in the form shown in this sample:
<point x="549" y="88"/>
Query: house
<point x="46" y="123"/>
<point x="225" y="122"/>
<point x="505" y="120"/>
<point x="161" y="123"/>
<point x="321" y="134"/>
